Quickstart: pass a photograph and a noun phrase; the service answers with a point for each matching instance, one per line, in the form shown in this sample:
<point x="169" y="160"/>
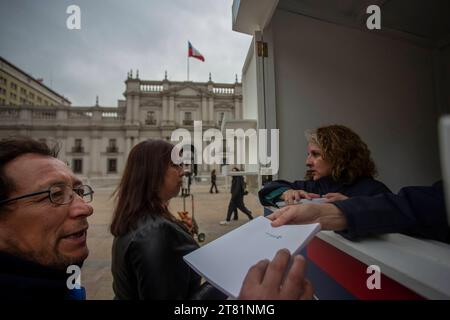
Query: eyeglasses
<point x="60" y="194"/>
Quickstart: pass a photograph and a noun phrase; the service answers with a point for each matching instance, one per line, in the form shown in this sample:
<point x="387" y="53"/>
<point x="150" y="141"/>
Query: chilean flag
<point x="192" y="52"/>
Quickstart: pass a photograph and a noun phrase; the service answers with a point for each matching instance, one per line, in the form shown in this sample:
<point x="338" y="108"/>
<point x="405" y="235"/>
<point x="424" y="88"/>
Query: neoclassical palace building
<point x="96" y="140"/>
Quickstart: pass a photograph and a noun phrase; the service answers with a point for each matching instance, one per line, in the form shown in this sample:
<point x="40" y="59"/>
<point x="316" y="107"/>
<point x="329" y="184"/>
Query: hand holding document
<point x="225" y="261"/>
<point x="281" y="204"/>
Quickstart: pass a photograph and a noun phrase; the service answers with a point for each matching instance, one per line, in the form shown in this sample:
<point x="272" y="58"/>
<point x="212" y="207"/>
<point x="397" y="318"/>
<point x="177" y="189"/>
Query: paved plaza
<point x="209" y="210"/>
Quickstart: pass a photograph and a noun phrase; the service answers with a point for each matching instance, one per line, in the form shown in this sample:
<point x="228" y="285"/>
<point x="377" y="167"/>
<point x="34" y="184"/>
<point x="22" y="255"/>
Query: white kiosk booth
<point x="313" y="63"/>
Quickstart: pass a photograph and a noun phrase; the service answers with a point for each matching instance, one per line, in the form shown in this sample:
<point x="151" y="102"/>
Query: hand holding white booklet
<point x="302" y="201"/>
<point x="225" y="261"/>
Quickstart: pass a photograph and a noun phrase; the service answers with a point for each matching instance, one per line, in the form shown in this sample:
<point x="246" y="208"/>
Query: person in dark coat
<point x="339" y="166"/>
<point x="237" y="199"/>
<point x="414" y="211"/>
<point x="189" y="175"/>
<point x="213" y="181"/>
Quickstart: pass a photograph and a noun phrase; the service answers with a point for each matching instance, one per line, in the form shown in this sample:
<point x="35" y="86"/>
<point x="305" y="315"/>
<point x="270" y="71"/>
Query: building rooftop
<point x="3" y="62"/>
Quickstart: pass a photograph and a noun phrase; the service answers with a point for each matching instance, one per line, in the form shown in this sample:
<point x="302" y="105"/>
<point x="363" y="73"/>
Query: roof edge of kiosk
<point x="252" y="15"/>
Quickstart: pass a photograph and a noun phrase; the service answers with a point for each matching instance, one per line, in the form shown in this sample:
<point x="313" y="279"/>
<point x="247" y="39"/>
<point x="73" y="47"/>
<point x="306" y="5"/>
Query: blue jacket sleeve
<point x="416" y="211"/>
<point x="375" y="187"/>
<point x="271" y="192"/>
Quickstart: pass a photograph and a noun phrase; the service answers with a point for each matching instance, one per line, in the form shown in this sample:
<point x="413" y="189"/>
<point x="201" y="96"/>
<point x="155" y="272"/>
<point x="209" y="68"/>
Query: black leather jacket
<point x="147" y="263"/>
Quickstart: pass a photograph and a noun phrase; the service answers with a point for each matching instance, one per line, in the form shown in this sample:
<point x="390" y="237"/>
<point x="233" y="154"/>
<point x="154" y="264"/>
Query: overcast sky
<point x="117" y="36"/>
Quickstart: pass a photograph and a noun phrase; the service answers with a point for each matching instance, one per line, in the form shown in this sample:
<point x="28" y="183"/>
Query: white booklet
<point x="225" y="261"/>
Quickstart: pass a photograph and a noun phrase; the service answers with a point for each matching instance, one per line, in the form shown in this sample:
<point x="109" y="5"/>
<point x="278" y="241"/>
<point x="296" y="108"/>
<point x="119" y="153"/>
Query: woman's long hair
<point x="348" y="155"/>
<point x="138" y="192"/>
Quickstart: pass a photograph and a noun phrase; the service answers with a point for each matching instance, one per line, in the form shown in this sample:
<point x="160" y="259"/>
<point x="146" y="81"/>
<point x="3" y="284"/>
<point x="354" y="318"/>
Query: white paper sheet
<point x="225" y="261"/>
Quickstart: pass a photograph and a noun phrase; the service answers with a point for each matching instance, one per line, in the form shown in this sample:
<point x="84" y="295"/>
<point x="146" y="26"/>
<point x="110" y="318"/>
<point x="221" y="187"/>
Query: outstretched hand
<point x="326" y="214"/>
<point x="264" y="281"/>
<point x="295" y="214"/>
<point x="335" y="196"/>
<point x="290" y="196"/>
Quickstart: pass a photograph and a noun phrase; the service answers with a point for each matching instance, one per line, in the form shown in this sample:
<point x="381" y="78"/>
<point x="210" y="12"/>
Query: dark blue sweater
<point x="271" y="192"/>
<point x="416" y="211"/>
<point x="22" y="279"/>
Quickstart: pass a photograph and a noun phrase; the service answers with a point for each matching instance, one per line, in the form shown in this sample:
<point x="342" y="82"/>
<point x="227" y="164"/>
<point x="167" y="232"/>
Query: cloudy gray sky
<point x="117" y="36"/>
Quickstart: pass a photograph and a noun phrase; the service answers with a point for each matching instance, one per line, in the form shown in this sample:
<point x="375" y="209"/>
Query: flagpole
<point x="188" y="68"/>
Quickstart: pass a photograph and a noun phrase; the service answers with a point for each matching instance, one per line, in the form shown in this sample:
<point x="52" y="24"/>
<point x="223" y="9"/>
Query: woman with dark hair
<point x="339" y="166"/>
<point x="149" y="242"/>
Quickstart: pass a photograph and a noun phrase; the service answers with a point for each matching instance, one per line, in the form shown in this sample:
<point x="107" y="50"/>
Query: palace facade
<point x="95" y="141"/>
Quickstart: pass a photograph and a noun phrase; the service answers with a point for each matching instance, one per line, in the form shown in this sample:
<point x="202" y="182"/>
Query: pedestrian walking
<point x="237" y="199"/>
<point x="213" y="181"/>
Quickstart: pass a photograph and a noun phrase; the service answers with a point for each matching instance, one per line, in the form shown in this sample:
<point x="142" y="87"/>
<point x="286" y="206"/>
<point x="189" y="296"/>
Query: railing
<point x="112" y="149"/>
<point x="222" y="90"/>
<point x="77" y="149"/>
<point x="151" y="88"/>
<point x="9" y="114"/>
<point x="113" y="115"/>
<point x="44" y="114"/>
<point x="79" y="114"/>
<point x="60" y="115"/>
<point x="151" y="122"/>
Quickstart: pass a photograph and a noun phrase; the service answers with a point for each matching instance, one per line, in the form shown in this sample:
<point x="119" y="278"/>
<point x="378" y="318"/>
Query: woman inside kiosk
<point x="339" y="166"/>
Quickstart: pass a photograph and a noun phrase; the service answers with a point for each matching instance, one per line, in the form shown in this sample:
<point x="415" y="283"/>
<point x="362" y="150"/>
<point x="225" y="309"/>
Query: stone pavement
<point x="209" y="210"/>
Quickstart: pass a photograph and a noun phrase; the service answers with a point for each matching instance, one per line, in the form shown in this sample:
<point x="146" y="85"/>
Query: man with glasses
<point x="43" y="221"/>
